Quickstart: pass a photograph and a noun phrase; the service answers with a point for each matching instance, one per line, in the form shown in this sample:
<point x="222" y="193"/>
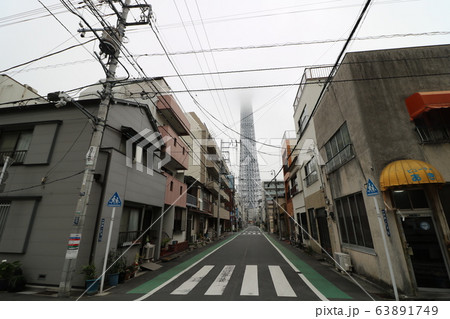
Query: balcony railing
<point x="340" y="158"/>
<point x="191" y="200"/>
<point x="18" y="156"/>
<point x="433" y="134"/>
<point x="129" y="238"/>
<point x="311" y="178"/>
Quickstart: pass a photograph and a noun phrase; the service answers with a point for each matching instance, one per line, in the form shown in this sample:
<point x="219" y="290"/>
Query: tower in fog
<point x="249" y="178"/>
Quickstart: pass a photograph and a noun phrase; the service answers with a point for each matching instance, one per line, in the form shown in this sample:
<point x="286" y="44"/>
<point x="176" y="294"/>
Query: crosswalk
<point x="249" y="285"/>
<point x="248" y="232"/>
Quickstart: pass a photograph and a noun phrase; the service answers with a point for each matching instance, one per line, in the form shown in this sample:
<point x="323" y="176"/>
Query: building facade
<point x="385" y="118"/>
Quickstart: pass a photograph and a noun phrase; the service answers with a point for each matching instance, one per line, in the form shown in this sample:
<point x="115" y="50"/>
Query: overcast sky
<point x="233" y="33"/>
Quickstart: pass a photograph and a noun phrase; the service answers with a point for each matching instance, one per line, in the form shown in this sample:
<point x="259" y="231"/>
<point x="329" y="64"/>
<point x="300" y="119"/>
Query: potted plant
<point x="117" y="265"/>
<point x="11" y="276"/>
<point x="92" y="284"/>
<point x="5" y="273"/>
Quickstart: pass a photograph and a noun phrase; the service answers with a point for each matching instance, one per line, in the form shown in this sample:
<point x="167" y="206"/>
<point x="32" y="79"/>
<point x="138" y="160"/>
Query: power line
<point x="431" y="33"/>
<point x="47" y="55"/>
<point x="331" y="75"/>
<point x="288" y="44"/>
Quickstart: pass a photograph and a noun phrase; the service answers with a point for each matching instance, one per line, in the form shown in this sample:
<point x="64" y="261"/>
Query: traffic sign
<point x="372" y="190"/>
<point x="115" y="201"/>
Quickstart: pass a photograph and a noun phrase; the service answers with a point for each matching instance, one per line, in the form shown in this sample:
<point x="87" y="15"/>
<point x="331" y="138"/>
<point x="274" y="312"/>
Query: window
<point x="311" y="172"/>
<point x="339" y="149"/>
<point x="302" y="121"/>
<point x="179" y="223"/>
<point x="294" y="185"/>
<point x="353" y="222"/>
<point x="434" y="127"/>
<point x="129" y="225"/>
<point x="4" y="210"/>
<point x="15" y="144"/>
<point x="410" y="199"/>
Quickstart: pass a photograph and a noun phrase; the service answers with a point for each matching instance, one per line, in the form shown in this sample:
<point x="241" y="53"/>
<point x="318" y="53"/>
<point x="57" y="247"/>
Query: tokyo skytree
<point x="249" y="178"/>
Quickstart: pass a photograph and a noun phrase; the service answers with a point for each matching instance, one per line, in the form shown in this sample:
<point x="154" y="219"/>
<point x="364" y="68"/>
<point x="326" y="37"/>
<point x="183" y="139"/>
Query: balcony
<point x="170" y="110"/>
<point x="175" y="192"/>
<point x="18" y="156"/>
<point x="191" y="200"/>
<point x="206" y="207"/>
<point x="175" y="148"/>
<point x="223" y="213"/>
<point x="213" y="186"/>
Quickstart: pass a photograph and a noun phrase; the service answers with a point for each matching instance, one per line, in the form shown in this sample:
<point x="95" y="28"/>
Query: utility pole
<point x="75" y="236"/>
<point x="276" y="203"/>
<point x="218" y="202"/>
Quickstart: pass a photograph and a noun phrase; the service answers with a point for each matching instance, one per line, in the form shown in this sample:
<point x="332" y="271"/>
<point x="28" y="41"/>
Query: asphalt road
<point x="247" y="266"/>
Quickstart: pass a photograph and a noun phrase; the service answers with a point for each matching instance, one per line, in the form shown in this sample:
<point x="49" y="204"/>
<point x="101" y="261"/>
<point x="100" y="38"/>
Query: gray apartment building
<point x="49" y="146"/>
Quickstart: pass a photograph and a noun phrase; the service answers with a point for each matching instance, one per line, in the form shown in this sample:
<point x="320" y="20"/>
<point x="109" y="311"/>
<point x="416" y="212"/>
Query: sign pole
<point x="107" y="249"/>
<point x="113" y="202"/>
<point x="373" y="191"/>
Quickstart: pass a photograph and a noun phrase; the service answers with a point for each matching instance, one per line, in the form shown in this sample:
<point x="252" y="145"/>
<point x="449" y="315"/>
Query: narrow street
<point x="248" y="266"/>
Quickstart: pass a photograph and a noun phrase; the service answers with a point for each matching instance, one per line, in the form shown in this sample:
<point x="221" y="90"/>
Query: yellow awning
<point x="409" y="172"/>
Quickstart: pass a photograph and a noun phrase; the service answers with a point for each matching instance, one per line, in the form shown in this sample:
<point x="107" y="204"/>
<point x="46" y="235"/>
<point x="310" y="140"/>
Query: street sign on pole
<point x="372" y="190"/>
<point x="114" y="201"/>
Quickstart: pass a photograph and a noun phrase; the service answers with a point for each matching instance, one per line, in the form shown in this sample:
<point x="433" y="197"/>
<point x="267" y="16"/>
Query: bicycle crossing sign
<point x="114" y="201"/>
<point x="372" y="190"/>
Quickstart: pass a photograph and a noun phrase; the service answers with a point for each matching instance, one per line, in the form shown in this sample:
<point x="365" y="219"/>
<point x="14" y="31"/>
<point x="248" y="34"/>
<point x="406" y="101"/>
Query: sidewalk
<point x="116" y="293"/>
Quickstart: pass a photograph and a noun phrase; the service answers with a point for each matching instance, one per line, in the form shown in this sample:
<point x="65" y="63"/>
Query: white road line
<point x="219" y="285"/>
<point x="307" y="282"/>
<point x="190" y="284"/>
<point x="148" y="294"/>
<point x="282" y="286"/>
<point x="250" y="281"/>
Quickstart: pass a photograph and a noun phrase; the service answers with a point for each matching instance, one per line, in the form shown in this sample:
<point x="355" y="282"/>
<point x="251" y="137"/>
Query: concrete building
<point x="386" y="117"/>
<point x="50" y="147"/>
<point x="306" y="180"/>
<point x="173" y="127"/>
<point x="206" y="168"/>
<point x="13" y="93"/>
<point x="273" y="199"/>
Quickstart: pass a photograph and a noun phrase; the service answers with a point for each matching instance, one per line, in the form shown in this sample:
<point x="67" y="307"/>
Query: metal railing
<point x="18" y="156"/>
<point x="128" y="238"/>
<point x="191" y="200"/>
<point x="311" y="178"/>
<point x="340" y="158"/>
<point x="433" y="134"/>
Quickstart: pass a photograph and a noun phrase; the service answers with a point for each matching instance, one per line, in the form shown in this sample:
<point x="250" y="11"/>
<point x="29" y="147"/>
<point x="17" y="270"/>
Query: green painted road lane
<point x="321" y="283"/>
<point x="171" y="273"/>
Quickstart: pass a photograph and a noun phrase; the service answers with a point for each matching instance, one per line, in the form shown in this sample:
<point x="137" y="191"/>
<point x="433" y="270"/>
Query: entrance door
<point x="324" y="234"/>
<point x="427" y="258"/>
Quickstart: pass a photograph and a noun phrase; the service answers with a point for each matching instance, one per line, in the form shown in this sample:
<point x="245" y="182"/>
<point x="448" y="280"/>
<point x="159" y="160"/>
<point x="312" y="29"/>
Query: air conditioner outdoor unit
<point x="149" y="251"/>
<point x="344" y="261"/>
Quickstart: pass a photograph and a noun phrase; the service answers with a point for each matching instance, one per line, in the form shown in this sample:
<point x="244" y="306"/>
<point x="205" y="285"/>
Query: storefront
<point x="411" y="191"/>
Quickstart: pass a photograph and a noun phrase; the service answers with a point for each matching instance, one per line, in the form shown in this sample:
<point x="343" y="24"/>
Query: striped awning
<point x="409" y="172"/>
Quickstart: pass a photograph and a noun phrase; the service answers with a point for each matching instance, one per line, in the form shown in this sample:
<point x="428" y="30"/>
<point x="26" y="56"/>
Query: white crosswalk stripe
<point x="219" y="285"/>
<point x="250" y="281"/>
<point x="190" y="284"/>
<point x="251" y="233"/>
<point x="249" y="287"/>
<point x="282" y="286"/>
